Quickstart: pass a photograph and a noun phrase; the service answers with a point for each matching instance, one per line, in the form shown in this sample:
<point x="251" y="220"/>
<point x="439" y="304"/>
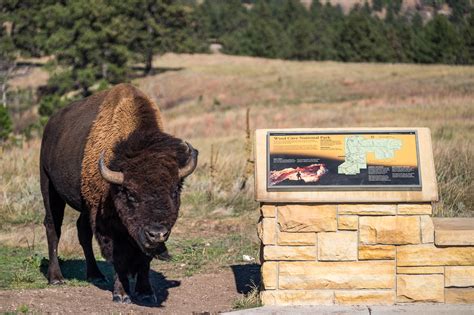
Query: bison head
<point x="146" y="191"/>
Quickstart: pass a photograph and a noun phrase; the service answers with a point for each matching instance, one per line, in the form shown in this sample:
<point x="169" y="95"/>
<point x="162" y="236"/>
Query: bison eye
<point x="175" y="193"/>
<point x="131" y="198"/>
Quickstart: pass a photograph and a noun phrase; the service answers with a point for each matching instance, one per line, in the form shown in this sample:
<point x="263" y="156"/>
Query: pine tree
<point x="90" y="42"/>
<point x="25" y="18"/>
<point x="263" y="36"/>
<point x="362" y="39"/>
<point x="8" y="52"/>
<point x="443" y="42"/>
<point x="156" y="27"/>
<point x="378" y="5"/>
<point x="294" y="19"/>
<point x="327" y="23"/>
<point x="460" y="8"/>
<point x="5" y="123"/>
<point x="468" y="35"/>
<point x="222" y="18"/>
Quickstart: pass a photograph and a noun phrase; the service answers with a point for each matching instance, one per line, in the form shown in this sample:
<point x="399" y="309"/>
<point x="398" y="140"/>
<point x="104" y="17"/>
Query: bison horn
<point x="190" y="163"/>
<point x="112" y="177"/>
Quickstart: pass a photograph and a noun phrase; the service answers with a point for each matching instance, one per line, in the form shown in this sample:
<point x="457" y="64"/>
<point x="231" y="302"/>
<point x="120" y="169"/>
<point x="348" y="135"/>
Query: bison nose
<point x="156" y="233"/>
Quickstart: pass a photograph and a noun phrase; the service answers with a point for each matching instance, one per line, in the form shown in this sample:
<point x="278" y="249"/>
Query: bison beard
<point x="108" y="157"/>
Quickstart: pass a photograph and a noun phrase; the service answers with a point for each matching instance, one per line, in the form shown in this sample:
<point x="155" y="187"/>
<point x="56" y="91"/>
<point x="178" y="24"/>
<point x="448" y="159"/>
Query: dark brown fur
<point x="125" y="125"/>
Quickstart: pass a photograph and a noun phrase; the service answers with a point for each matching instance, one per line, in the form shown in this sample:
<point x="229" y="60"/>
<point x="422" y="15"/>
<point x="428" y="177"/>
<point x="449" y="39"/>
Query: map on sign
<point x="343" y="161"/>
<point x="357" y="148"/>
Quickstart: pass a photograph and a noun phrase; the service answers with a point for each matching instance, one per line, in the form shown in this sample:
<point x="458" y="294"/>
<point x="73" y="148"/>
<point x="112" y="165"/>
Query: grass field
<point x="205" y="99"/>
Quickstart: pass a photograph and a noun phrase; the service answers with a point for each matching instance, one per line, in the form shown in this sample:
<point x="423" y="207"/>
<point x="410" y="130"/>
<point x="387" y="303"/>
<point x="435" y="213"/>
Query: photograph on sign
<point x="382" y="160"/>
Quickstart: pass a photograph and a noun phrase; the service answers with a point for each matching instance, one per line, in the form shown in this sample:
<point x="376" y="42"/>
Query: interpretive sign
<point x="354" y="160"/>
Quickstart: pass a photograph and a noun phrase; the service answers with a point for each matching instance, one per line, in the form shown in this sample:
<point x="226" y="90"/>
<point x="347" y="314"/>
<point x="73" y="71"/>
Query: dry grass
<point x="209" y="107"/>
<point x="204" y="99"/>
<point x="20" y="196"/>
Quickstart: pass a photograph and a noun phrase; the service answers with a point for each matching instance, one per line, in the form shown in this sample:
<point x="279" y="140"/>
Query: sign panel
<point x="372" y="160"/>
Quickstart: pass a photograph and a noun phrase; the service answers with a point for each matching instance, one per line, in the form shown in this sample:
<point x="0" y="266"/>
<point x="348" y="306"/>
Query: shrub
<point x="5" y="123"/>
<point x="48" y="106"/>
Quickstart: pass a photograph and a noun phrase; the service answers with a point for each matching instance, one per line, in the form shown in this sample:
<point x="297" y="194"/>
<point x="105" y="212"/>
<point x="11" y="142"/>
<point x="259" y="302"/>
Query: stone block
<point x="427" y="229"/>
<point x="420" y="270"/>
<point x="348" y="222"/>
<point x="297" y="297"/>
<point x="266" y="230"/>
<point x="374" y="252"/>
<point x="429" y="255"/>
<point x="270" y="274"/>
<point x="420" y="288"/>
<point x="337" y="275"/>
<point x="454" y="237"/>
<point x="367" y="297"/>
<point x="459" y="276"/>
<point x="389" y="230"/>
<point x="268" y="211"/>
<point x="289" y="253"/>
<point x="337" y="246"/>
<point x="415" y="208"/>
<point x="459" y="296"/>
<point x="454" y="231"/>
<point x="303" y="218"/>
<point x="296" y="239"/>
<point x="368" y="209"/>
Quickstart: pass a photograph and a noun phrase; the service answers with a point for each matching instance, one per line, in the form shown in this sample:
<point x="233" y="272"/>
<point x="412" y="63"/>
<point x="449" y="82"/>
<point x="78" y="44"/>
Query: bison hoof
<point x="56" y="282"/>
<point x="146" y="298"/>
<point x="165" y="256"/>
<point x="125" y="299"/>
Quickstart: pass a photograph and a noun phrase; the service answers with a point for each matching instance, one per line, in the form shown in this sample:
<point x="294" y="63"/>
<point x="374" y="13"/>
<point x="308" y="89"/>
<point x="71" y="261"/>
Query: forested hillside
<point x="95" y="43"/>
<point x="385" y="31"/>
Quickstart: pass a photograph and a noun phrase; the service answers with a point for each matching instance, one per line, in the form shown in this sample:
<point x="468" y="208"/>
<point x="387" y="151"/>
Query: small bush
<point x="5" y="123"/>
<point x="49" y="105"/>
<point x="28" y="273"/>
<point x="249" y="300"/>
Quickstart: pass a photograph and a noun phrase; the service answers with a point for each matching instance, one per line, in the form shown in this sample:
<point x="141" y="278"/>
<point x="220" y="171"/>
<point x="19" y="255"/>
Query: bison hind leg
<point x="54" y="214"/>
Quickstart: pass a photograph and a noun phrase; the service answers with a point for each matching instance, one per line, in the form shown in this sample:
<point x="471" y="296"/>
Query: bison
<point x="108" y="157"/>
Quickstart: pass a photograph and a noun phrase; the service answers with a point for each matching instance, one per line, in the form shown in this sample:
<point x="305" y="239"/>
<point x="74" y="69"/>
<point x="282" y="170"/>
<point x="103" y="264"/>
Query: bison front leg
<point x="143" y="290"/>
<point x="121" y="288"/>
<point x="84" y="232"/>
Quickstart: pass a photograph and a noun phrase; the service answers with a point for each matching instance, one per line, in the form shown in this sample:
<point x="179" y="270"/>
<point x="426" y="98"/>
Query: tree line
<point x="95" y="43"/>
<point x="288" y="30"/>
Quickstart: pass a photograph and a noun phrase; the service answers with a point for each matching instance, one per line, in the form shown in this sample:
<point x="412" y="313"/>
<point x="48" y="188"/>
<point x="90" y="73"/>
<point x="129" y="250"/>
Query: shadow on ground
<point x="75" y="269"/>
<point x="246" y="277"/>
<point x="138" y="71"/>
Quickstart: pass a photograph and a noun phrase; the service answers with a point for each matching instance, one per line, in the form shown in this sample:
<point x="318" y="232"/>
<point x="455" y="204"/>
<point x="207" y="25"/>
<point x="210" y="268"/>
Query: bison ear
<point x="191" y="160"/>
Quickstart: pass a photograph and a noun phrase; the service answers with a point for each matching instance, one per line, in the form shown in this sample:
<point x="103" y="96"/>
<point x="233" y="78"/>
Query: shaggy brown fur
<point x="122" y="111"/>
<point x="132" y="219"/>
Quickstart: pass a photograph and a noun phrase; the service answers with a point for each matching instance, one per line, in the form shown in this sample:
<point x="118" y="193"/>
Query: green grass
<point x="191" y="256"/>
<point x="22" y="268"/>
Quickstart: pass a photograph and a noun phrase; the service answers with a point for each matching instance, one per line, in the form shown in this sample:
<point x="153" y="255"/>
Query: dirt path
<point x="206" y="293"/>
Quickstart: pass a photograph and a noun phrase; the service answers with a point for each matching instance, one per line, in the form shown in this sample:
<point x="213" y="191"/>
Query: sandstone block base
<point x="297" y="297"/>
<point x="420" y="288"/>
<point x="460" y="296"/>
<point x="338" y="246"/>
<point x="364" y="254"/>
<point x="365" y="297"/>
